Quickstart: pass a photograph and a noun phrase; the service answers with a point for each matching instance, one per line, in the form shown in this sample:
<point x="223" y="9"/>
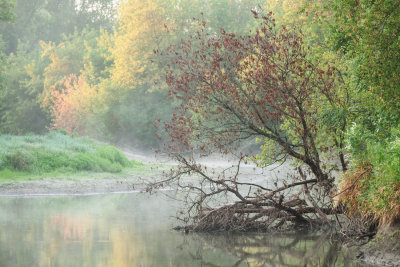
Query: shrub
<point x="84" y="162"/>
<point x="113" y="155"/>
<point x="48" y="161"/>
<point x="372" y="186"/>
<point x="21" y="160"/>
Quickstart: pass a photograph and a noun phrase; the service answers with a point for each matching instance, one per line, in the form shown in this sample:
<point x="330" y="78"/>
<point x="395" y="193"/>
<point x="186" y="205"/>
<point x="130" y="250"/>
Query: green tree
<point x="75" y="81"/>
<point x="6" y="7"/>
<point x="76" y="55"/>
<point x="19" y="98"/>
<point x="365" y="35"/>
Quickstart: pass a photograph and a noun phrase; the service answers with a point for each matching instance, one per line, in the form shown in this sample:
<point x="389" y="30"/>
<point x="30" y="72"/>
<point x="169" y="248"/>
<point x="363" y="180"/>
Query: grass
<point x="59" y="155"/>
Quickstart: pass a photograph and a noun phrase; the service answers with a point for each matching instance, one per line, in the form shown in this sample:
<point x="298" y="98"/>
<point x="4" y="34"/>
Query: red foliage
<point x="234" y="87"/>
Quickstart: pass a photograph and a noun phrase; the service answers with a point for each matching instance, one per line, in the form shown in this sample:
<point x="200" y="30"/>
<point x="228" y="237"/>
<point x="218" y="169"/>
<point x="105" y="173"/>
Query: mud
<point x="380" y="258"/>
<point x="383" y="249"/>
<point x="71" y="187"/>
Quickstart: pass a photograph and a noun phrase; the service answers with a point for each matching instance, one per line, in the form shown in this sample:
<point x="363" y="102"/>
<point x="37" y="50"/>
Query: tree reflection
<point x="107" y="231"/>
<point x="267" y="249"/>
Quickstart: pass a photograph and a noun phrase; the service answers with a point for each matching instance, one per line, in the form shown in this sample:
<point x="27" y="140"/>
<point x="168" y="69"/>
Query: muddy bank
<point x="379" y="257"/>
<point x="85" y="185"/>
<point x="72" y="187"/>
<point x="130" y="183"/>
<point x="383" y="249"/>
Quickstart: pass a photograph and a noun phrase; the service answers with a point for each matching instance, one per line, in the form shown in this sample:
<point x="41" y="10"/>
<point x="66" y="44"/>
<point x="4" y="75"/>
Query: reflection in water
<point x="134" y="230"/>
<point x="275" y="250"/>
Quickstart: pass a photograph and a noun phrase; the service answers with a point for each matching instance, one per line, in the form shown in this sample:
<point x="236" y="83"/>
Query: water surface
<point x="135" y="230"/>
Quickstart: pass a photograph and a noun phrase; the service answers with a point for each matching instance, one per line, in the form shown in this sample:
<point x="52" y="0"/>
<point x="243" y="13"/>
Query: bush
<point x="48" y="161"/>
<point x="21" y="160"/>
<point x="375" y="176"/>
<point x="85" y="162"/>
<point x="113" y="155"/>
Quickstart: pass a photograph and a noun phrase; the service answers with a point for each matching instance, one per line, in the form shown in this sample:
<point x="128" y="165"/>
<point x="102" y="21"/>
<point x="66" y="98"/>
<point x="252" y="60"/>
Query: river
<point x="135" y="230"/>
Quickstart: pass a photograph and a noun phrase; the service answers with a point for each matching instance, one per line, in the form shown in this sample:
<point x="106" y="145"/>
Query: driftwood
<point x="251" y="207"/>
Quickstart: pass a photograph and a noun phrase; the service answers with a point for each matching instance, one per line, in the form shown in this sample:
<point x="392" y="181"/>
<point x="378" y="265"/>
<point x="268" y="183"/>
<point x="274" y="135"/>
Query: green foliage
<point x="46" y="42"/>
<point x="268" y="154"/>
<point x="366" y="33"/>
<point x="231" y="15"/>
<point x="362" y="38"/>
<point x="136" y="114"/>
<point x="380" y="191"/>
<point x="43" y="51"/>
<point x="59" y="152"/>
<point x="77" y="54"/>
<point x="20" y="110"/>
<point x="6" y="13"/>
<point x="138" y="96"/>
<point x="20" y="160"/>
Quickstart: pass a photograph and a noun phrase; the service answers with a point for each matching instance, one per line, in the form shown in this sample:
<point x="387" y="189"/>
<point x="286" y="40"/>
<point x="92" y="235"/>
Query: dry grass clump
<point x="368" y="192"/>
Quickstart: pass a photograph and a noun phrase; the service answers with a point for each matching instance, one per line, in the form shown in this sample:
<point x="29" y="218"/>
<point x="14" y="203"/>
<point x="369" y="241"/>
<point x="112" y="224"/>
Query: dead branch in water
<point x="248" y="206"/>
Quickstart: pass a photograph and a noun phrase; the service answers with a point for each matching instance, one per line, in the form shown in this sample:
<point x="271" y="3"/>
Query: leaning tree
<point x="236" y="87"/>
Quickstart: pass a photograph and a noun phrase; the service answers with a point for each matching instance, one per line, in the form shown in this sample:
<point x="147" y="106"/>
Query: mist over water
<point x="135" y="230"/>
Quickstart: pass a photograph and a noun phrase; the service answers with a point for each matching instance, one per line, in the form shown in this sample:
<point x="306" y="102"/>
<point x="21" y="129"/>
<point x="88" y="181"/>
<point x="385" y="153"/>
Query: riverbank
<point x="58" y="164"/>
<point x="82" y="183"/>
<point x="54" y="154"/>
<point x="383" y="249"/>
<point x="87" y="186"/>
<point x="129" y="180"/>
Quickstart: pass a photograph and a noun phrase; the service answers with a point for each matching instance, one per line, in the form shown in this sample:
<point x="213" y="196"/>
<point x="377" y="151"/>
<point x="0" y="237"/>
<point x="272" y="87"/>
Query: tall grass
<point x="56" y="151"/>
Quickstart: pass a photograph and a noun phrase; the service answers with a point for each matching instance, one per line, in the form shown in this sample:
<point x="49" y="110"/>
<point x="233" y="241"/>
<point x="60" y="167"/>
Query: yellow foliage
<point x="288" y="11"/>
<point x="139" y="33"/>
<point x="101" y="50"/>
<point x="299" y="13"/>
<point x="65" y="59"/>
